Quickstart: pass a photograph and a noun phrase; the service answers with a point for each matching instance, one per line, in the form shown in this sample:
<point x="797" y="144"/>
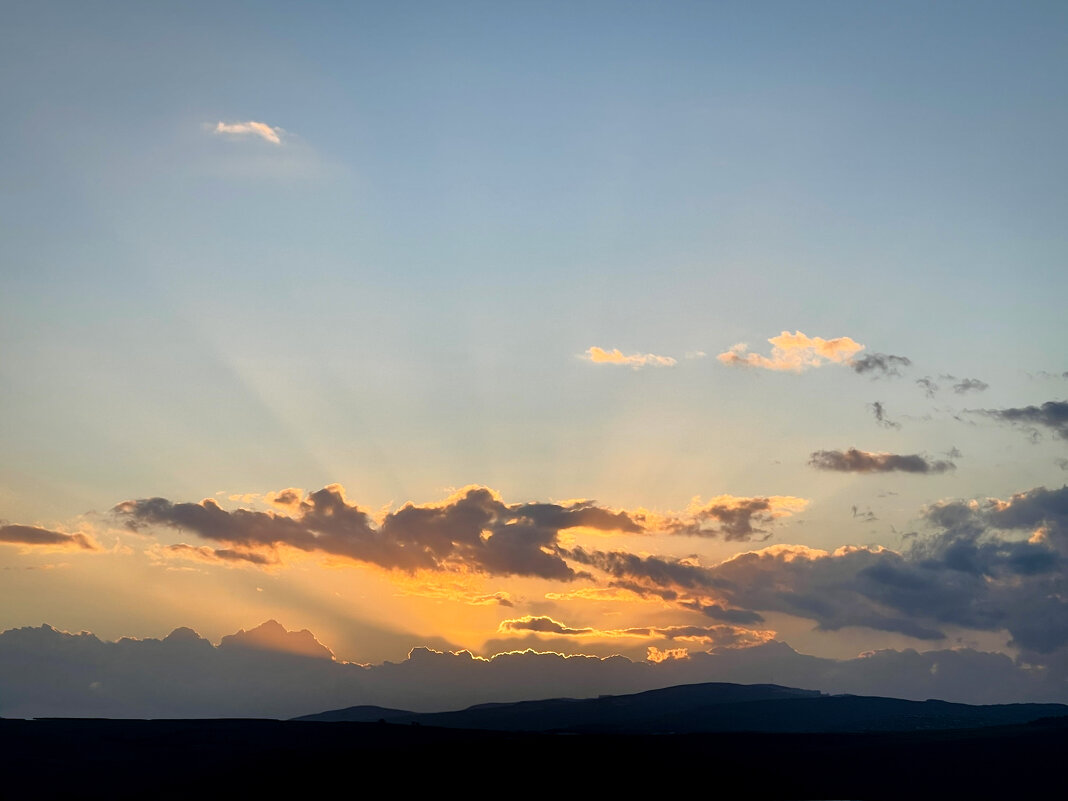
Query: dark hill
<point x="713" y="707"/>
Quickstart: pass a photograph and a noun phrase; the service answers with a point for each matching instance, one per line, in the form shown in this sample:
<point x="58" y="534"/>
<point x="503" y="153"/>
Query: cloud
<point x="928" y="386"/>
<point x="854" y="461"/>
<point x="642" y="573"/>
<point x="635" y="360"/>
<point x="794" y="352"/>
<point x="452" y="591"/>
<point x="273" y="636"/>
<point x="542" y="624"/>
<point x="973" y="570"/>
<point x="656" y="656"/>
<point x="879" y="411"/>
<point x="719" y="612"/>
<point x="879" y="364"/>
<point x="251" y="128"/>
<point x="203" y="553"/>
<point x="186" y="676"/>
<point x="33" y="536"/>
<point x="970" y="385"/>
<point x="738" y="519"/>
<point x="472" y="530"/>
<point x="1052" y="415"/>
<point x="720" y="636"/>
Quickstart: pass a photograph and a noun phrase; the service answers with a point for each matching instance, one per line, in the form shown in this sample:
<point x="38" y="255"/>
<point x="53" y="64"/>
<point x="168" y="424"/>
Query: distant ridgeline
<point x="713" y="707"/>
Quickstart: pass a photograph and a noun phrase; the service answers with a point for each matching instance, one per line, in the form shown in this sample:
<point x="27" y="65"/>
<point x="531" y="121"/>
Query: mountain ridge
<point x="709" y="707"/>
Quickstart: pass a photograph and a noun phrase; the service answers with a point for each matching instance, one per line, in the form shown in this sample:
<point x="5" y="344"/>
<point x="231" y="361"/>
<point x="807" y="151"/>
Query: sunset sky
<point x="590" y="327"/>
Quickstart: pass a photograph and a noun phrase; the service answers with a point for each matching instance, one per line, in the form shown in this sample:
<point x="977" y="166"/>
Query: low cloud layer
<point x="1051" y="416"/>
<point x="793" y="352"/>
<point x="634" y="360"/>
<point x="250" y="128"/>
<point x="185" y="676"/>
<point x="855" y="461"/>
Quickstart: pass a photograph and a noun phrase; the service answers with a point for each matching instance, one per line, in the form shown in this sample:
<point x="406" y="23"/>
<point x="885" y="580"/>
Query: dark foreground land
<point x="165" y="759"/>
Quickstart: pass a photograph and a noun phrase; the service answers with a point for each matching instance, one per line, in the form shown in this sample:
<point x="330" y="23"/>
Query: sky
<point x="595" y="328"/>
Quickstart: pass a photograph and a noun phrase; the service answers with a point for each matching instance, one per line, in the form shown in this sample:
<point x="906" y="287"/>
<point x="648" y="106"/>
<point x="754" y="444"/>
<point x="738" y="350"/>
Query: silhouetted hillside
<point x="713" y="707"/>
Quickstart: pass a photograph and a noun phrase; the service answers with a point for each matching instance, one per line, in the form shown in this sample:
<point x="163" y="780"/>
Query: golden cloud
<point x="793" y="352"/>
<point x="634" y="360"/>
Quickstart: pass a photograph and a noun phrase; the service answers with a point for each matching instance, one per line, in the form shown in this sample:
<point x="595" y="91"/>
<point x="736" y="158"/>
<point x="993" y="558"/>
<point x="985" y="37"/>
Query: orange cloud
<point x="793" y="352"/>
<point x="598" y="594"/>
<point x="635" y="360"/>
<point x="720" y="635"/>
<point x="655" y="655"/>
<point x="420" y="586"/>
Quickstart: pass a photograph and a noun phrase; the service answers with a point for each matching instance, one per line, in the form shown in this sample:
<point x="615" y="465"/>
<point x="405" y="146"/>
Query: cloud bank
<point x="185" y="676"/>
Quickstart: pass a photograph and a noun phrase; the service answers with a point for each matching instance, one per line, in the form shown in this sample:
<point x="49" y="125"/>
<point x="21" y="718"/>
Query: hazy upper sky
<point x="670" y="282"/>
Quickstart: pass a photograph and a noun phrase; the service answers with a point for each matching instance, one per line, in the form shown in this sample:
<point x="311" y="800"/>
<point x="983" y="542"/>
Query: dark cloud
<point x="1052" y="415"/>
<point x="32" y="535"/>
<point x="928" y="386"/>
<point x="880" y="364"/>
<point x="854" y="461"/>
<point x="738" y="519"/>
<point x="970" y="385"/>
<point x="472" y="530"/>
<point x="879" y="411"/>
<point x="635" y="572"/>
<point x="718" y="612"/>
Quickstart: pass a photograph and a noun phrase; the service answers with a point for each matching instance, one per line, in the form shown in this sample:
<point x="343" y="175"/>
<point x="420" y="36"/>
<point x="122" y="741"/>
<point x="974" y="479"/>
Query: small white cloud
<point x="251" y="128"/>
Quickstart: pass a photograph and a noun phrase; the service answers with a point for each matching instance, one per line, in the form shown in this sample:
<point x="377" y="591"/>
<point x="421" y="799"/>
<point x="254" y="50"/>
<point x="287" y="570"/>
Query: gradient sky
<point x="539" y="248"/>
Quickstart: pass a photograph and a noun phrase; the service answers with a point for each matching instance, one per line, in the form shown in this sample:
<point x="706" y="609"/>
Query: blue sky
<point x="394" y="290"/>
